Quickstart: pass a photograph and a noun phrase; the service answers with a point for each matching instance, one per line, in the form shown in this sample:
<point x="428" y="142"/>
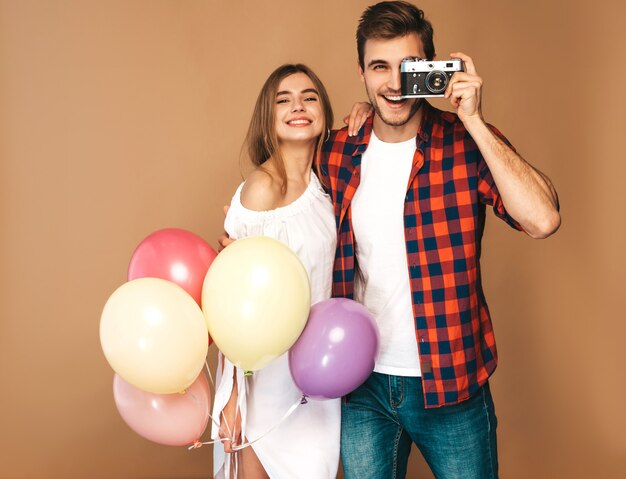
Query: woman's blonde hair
<point x="261" y="140"/>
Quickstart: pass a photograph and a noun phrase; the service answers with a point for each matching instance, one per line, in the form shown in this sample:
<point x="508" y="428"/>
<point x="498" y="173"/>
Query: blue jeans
<point x="381" y="418"/>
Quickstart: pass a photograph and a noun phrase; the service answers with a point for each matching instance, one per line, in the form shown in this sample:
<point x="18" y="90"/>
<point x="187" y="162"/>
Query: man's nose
<point x="394" y="80"/>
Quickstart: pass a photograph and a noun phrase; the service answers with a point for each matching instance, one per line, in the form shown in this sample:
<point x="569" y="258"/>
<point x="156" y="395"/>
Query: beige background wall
<point x="118" y="118"/>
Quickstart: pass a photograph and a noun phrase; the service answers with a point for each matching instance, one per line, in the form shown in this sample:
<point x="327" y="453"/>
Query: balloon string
<point x="231" y="461"/>
<point x="208" y="370"/>
<point x="231" y="432"/>
<point x="198" y="444"/>
<point x="289" y="412"/>
<point x="241" y="398"/>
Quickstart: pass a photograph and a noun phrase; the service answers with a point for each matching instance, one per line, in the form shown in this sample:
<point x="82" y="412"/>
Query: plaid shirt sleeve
<point x="341" y="179"/>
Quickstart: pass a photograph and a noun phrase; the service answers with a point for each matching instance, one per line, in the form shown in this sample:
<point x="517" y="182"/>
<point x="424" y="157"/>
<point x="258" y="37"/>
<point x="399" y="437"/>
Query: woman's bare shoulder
<point x="261" y="191"/>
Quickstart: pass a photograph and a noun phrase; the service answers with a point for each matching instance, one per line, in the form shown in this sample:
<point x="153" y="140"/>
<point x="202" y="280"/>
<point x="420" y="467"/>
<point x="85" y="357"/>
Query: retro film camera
<point x="427" y="78"/>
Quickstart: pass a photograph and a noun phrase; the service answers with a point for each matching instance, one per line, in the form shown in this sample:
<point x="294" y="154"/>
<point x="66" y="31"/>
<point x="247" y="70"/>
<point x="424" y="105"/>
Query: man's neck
<point x="396" y="134"/>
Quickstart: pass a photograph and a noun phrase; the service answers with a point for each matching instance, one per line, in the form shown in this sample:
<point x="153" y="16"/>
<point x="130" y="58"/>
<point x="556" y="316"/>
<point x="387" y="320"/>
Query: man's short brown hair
<point x="388" y="20"/>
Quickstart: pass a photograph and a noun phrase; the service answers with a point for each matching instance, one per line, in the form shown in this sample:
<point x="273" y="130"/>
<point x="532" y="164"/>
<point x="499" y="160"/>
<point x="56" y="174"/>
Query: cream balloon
<point x="153" y="335"/>
<point x="256" y="299"/>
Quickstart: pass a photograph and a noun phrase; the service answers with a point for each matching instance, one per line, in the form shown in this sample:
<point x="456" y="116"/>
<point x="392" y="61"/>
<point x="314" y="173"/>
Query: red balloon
<point x="177" y="419"/>
<point x="175" y="255"/>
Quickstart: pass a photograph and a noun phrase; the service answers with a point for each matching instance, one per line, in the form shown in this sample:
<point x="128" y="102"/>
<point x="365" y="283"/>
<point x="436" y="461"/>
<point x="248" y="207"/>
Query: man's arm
<point x="527" y="194"/>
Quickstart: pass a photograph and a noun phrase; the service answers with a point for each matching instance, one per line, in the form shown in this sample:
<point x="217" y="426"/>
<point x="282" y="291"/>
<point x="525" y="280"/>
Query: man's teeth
<point x="393" y="98"/>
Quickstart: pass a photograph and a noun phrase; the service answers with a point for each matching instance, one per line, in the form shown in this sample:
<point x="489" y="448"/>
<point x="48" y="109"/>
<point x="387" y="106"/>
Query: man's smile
<point x="394" y="101"/>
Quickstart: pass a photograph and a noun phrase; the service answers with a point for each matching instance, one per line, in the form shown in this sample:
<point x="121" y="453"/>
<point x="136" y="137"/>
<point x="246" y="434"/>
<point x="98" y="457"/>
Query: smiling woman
<point x="291" y="92"/>
<point x="283" y="199"/>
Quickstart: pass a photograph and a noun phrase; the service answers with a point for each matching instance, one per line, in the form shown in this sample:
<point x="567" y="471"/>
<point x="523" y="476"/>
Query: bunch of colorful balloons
<point x="154" y="336"/>
<point x="254" y="300"/>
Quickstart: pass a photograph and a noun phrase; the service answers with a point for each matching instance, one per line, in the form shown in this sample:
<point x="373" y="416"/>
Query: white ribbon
<point x="241" y="397"/>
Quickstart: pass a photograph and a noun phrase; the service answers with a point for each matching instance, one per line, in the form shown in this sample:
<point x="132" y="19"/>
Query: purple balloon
<point x="336" y="352"/>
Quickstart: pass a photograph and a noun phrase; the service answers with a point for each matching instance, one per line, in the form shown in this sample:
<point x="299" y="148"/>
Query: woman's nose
<point x="298" y="105"/>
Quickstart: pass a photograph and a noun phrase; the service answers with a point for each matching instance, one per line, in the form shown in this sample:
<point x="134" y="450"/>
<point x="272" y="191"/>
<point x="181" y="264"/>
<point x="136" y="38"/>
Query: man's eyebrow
<point x="307" y="90"/>
<point x="377" y="62"/>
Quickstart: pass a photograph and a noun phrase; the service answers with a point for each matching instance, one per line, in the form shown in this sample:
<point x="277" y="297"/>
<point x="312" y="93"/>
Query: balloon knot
<point x="303" y="400"/>
<point x="184" y="391"/>
<point x="247" y="373"/>
<point x="197" y="445"/>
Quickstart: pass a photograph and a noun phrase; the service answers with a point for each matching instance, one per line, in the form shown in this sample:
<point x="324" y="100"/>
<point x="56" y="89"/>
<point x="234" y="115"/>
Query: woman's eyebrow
<point x="307" y="90"/>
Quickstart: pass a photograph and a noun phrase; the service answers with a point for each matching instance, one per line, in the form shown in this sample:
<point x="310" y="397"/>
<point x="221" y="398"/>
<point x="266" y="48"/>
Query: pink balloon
<point x="175" y="255"/>
<point x="337" y="350"/>
<point x="169" y="419"/>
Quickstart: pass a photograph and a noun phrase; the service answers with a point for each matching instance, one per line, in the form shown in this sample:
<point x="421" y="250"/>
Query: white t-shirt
<point x="382" y="280"/>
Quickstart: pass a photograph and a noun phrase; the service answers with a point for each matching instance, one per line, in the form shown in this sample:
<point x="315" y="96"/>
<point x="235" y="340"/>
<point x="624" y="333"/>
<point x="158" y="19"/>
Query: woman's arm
<point x="230" y="420"/>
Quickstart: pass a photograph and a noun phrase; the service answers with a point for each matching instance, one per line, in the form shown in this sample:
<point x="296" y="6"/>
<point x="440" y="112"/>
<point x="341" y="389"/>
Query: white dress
<point x="306" y="444"/>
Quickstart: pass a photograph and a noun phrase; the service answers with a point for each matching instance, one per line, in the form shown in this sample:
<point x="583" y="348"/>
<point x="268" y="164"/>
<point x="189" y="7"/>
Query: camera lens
<point x="436" y="81"/>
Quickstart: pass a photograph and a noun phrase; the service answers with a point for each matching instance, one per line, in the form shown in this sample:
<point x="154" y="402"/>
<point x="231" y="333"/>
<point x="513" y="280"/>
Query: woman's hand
<point x="224" y="240"/>
<point x="361" y="111"/>
<point x="230" y="423"/>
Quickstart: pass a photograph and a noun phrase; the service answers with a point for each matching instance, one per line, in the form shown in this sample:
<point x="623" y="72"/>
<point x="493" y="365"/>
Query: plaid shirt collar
<point x="365" y="133"/>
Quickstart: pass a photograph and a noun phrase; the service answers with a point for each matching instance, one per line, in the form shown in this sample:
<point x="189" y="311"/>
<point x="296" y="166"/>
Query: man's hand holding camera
<point x="464" y="90"/>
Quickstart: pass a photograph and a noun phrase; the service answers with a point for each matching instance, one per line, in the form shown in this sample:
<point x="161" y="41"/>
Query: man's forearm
<point x="528" y="195"/>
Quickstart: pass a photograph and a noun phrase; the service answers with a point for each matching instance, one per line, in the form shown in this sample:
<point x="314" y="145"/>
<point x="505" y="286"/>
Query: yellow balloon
<point x="256" y="299"/>
<point x="153" y="335"/>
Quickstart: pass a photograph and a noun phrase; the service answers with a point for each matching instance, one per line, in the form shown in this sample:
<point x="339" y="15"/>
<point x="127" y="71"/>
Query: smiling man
<point x="410" y="191"/>
<point x="381" y="74"/>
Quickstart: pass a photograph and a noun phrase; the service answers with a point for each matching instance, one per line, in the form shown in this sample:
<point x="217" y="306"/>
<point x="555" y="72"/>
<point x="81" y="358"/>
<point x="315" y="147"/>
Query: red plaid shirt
<point x="444" y="217"/>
